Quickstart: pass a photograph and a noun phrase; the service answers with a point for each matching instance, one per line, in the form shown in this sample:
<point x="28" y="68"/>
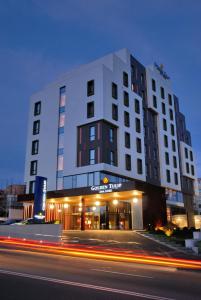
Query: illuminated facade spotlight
<point x="135" y="200"/>
<point x="66" y="205"/>
<point x="59" y="210"/>
<point x="93" y="208"/>
<point x="97" y="203"/>
<point x="115" y="202"/>
<point x="51" y="206"/>
<point x="80" y="204"/>
<point x="80" y="208"/>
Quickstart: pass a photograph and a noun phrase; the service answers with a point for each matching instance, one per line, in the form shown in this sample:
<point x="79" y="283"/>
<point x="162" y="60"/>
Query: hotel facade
<point x="111" y="141"/>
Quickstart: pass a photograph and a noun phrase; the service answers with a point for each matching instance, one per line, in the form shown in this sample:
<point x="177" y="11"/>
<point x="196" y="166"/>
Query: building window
<point x="128" y="162"/>
<point x="186" y="153"/>
<point x="137" y="125"/>
<point x="162" y="93"/>
<point x="173" y="146"/>
<point x="176" y="178"/>
<point x="126" y="119"/>
<point x="114" y="91"/>
<point x="164" y="124"/>
<point x="31" y="186"/>
<point x="168" y="176"/>
<point x="92" y="133"/>
<point x="37" y="108"/>
<point x="125" y="79"/>
<point x="191" y="155"/>
<point x="112" y="162"/>
<point x="192" y="170"/>
<point x="172" y="129"/>
<point x="33" y="167"/>
<point x="92" y="157"/>
<point x="153" y="85"/>
<point x="163" y="108"/>
<point x="187" y="168"/>
<point x="62" y="100"/>
<point x="174" y="161"/>
<point x="111" y="135"/>
<point x="90" y="88"/>
<point x="167" y="161"/>
<point x="142" y="78"/>
<point x="170" y="99"/>
<point x="154" y="101"/>
<point x="137" y="106"/>
<point x="126" y="99"/>
<point x="127" y="140"/>
<point x="171" y="115"/>
<point x="34" y="148"/>
<point x="138" y="145"/>
<point x="36" y="127"/>
<point x="115" y="112"/>
<point x="166" y="141"/>
<point x="60" y="163"/>
<point x="61" y="119"/>
<point x="90" y="109"/>
<point x="139" y="166"/>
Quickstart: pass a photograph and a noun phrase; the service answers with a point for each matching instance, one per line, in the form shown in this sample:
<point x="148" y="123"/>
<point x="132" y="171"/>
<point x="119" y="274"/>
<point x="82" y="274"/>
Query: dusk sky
<point x="41" y="39"/>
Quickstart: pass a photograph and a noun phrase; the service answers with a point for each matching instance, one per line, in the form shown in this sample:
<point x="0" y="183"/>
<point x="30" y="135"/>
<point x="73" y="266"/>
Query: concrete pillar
<point x="136" y="212"/>
<point x="83" y="215"/>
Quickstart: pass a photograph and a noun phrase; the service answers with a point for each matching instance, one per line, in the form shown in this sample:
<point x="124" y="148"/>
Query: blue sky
<point x="40" y="39"/>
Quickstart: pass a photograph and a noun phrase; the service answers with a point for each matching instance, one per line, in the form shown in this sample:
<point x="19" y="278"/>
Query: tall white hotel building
<point x="113" y="144"/>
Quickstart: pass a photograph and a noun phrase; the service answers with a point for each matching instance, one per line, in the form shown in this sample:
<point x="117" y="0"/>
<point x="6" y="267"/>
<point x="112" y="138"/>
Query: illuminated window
<point x="62" y="100"/>
<point x="61" y="120"/>
<point x="111" y="135"/>
<point x="92" y="133"/>
<point x="92" y="157"/>
<point x="60" y="163"/>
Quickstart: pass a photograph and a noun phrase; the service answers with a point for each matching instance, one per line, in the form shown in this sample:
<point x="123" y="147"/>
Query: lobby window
<point x="172" y="129"/>
<point x="164" y="124"/>
<point x="137" y="106"/>
<point x="34" y="148"/>
<point x="115" y="112"/>
<point x="114" y="91"/>
<point x="92" y="157"/>
<point x="192" y="170"/>
<point x="187" y="168"/>
<point x="31" y="186"/>
<point x="171" y="115"/>
<point x="174" y="161"/>
<point x="128" y="162"/>
<point x="125" y="79"/>
<point x="166" y="141"/>
<point x="167" y="161"/>
<point x="126" y="99"/>
<point x="90" y="109"/>
<point x="33" y="167"/>
<point x="168" y="176"/>
<point x="138" y="145"/>
<point x="154" y="101"/>
<point x="163" y="108"/>
<point x="90" y="88"/>
<point x="139" y="166"/>
<point x="176" y="178"/>
<point x="170" y="99"/>
<point x="62" y="99"/>
<point x="36" y="127"/>
<point x="162" y="93"/>
<point x="111" y="135"/>
<point x="191" y="155"/>
<point x="92" y="133"/>
<point x="126" y="119"/>
<point x="173" y="146"/>
<point x="37" y="108"/>
<point x="112" y="162"/>
<point x="153" y="85"/>
<point x="127" y="140"/>
<point x="137" y="125"/>
<point x="186" y="153"/>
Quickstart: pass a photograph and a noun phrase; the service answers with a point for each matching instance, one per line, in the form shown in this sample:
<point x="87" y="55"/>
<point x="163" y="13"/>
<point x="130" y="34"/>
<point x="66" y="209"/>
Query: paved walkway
<point x="127" y="241"/>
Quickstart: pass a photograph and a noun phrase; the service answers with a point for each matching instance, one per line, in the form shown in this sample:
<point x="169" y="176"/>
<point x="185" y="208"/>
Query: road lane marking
<point x="120" y="273"/>
<point x="84" y="285"/>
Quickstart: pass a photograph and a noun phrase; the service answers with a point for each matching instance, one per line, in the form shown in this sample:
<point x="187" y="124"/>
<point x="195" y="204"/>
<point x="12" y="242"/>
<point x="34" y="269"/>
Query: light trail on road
<point x="96" y="253"/>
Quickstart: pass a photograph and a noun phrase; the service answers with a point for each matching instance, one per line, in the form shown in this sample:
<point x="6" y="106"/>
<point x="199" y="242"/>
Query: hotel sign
<point x="106" y="188"/>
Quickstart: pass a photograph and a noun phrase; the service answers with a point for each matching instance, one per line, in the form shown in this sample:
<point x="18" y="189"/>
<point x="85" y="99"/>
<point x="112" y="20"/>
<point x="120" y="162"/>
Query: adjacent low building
<point x="111" y="141"/>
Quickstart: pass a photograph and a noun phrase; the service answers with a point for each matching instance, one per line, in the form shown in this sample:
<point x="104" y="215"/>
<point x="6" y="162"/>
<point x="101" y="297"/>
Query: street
<point x="29" y="275"/>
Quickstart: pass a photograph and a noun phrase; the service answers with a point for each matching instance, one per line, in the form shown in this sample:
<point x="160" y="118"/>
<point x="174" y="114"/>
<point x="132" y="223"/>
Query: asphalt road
<point x="29" y="275"/>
